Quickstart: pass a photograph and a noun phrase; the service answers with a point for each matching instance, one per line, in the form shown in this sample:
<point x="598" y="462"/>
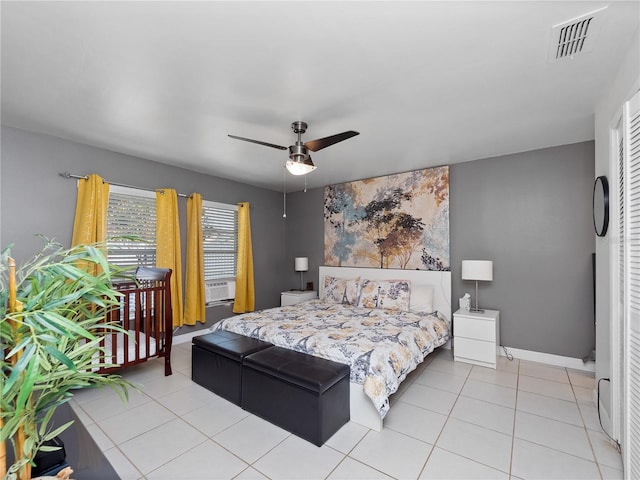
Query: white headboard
<point x="441" y="281"/>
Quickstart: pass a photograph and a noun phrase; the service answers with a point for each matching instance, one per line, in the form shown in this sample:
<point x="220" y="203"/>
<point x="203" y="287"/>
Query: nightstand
<point x="476" y="337"/>
<point x="296" y="296"/>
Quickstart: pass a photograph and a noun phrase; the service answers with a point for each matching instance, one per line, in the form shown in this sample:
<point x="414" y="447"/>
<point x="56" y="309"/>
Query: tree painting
<point x="398" y="221"/>
<point x="339" y="214"/>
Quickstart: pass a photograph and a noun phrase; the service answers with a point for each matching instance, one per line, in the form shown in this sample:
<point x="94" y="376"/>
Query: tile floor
<point x="448" y="421"/>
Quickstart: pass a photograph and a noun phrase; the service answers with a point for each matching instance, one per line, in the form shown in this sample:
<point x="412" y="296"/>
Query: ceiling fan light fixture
<point x="299" y="162"/>
<point x="300" y="166"/>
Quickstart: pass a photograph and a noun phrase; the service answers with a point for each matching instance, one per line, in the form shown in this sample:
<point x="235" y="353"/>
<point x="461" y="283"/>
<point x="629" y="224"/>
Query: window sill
<point x="219" y="303"/>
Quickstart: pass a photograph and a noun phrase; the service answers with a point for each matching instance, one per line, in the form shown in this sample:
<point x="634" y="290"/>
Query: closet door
<point x="630" y="213"/>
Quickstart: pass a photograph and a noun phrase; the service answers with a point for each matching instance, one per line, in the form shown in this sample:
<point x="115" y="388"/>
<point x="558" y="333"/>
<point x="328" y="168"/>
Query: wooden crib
<point x="145" y="312"/>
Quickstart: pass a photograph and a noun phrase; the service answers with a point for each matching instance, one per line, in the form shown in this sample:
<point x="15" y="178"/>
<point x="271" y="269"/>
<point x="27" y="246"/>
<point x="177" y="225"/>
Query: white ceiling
<point x="425" y="83"/>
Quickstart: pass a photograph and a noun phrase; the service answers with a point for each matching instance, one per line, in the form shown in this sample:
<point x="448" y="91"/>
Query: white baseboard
<point x="186" y="337"/>
<point x="550" y="359"/>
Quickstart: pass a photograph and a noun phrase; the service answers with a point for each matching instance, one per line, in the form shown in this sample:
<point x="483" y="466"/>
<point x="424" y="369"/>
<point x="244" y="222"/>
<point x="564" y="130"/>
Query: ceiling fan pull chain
<point x="284" y="193"/>
<point x="305" y="184"/>
<point x="284" y="207"/>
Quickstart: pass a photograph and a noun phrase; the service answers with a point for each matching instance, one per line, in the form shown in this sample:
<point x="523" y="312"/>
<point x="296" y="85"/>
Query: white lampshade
<point x="477" y="270"/>
<point x="302" y="264"/>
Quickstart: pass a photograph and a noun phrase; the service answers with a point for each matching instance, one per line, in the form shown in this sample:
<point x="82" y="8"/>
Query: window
<point x="131" y="213"/>
<point x="220" y="240"/>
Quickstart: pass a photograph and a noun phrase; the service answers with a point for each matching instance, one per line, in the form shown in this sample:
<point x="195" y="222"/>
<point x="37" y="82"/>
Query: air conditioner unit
<point x="218" y="290"/>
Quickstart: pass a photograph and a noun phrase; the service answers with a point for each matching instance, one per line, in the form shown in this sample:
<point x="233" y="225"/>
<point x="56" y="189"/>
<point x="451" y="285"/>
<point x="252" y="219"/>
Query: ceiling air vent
<point x="575" y="36"/>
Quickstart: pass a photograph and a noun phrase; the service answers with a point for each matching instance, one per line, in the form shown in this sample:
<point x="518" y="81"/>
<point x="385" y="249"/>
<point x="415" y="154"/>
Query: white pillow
<point x="421" y="298"/>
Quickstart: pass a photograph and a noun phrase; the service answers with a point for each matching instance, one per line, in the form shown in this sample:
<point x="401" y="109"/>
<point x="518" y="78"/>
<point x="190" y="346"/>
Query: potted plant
<point x="52" y="320"/>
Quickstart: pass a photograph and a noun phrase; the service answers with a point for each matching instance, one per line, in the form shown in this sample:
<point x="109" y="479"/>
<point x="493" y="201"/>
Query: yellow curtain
<point x="90" y="222"/>
<point x="194" y="310"/>
<point x="168" y="246"/>
<point x="245" y="294"/>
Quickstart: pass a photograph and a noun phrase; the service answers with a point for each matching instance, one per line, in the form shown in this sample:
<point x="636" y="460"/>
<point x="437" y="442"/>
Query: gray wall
<point x="305" y="234"/>
<point x="35" y="199"/>
<point x="531" y="214"/>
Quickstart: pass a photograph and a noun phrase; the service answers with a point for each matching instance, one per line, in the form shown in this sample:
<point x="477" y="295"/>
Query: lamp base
<point x="477" y="310"/>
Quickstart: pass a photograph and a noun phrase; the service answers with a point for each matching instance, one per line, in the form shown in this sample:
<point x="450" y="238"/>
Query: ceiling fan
<point x="299" y="162"/>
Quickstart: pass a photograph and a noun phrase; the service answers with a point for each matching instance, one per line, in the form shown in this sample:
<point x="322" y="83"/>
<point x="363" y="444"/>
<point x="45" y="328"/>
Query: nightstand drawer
<point x="474" y="328"/>
<point x="468" y="349"/>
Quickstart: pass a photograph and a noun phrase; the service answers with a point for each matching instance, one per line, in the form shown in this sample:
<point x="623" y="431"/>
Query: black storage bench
<point x="216" y="362"/>
<point x="307" y="396"/>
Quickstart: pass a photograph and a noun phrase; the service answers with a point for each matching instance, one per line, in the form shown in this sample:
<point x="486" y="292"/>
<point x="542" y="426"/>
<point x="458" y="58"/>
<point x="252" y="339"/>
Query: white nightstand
<point x="296" y="296"/>
<point x="476" y="337"/>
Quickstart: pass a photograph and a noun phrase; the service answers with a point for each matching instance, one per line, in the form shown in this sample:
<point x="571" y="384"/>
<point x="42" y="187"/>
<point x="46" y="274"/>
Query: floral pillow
<point x="341" y="290"/>
<point x="389" y="294"/>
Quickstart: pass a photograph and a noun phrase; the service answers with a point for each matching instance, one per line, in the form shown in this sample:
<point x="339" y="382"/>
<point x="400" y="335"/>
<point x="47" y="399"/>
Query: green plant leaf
<point x="61" y="357"/>
<point x="62" y="325"/>
<point x="45" y="337"/>
<point x="29" y="380"/>
<point x="49" y="320"/>
<point x="19" y="368"/>
<point x="19" y="346"/>
<point x="48" y="448"/>
<point x="29" y="444"/>
<point x="57" y="431"/>
<point x="98" y="257"/>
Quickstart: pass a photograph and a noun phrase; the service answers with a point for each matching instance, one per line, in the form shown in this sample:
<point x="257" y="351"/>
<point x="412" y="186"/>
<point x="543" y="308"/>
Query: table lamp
<point x="478" y="270"/>
<point x="301" y="265"/>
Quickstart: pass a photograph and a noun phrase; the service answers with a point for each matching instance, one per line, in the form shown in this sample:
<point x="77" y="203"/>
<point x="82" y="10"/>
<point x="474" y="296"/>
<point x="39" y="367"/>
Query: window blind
<point x="131" y="213"/>
<point x="220" y="240"/>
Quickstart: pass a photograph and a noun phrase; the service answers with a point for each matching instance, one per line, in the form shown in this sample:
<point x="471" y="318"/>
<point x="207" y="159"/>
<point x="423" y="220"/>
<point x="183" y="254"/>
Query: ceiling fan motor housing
<point x="298" y="152"/>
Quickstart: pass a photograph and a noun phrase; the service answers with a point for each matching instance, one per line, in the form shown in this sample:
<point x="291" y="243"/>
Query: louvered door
<point x="630" y="216"/>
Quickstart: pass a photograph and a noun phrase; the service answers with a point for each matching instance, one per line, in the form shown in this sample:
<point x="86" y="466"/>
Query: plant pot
<point x="50" y="463"/>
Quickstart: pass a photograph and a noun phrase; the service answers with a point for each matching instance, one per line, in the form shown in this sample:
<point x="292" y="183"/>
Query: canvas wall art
<point x="397" y="221"/>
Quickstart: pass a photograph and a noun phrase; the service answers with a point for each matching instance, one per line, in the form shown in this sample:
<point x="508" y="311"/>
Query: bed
<point x="356" y="321"/>
<point x="145" y="313"/>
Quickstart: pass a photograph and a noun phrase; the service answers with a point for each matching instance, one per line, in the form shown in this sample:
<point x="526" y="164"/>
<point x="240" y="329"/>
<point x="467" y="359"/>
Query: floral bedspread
<point x="381" y="346"/>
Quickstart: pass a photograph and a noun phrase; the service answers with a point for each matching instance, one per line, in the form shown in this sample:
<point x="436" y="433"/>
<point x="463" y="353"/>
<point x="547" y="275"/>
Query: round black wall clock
<point x="601" y="205"/>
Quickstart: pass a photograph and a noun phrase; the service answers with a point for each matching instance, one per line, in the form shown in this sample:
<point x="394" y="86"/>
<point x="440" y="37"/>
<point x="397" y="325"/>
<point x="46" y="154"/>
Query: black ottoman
<point x="307" y="396"/>
<point x="216" y="362"/>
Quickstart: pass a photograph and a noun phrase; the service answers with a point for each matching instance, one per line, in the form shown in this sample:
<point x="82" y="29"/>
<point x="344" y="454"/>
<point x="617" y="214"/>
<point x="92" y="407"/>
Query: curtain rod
<point x="84" y="177"/>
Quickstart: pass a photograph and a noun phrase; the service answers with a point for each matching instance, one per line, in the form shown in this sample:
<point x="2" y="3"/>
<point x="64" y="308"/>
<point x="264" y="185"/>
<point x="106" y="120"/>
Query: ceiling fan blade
<point x="320" y="143"/>
<point x="279" y="147"/>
